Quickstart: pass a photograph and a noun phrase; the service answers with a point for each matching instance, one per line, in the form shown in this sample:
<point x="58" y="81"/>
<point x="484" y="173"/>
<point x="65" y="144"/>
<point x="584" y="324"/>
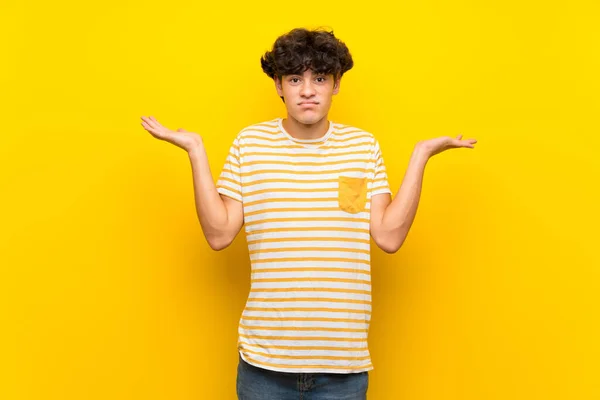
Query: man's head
<point x="307" y="67"/>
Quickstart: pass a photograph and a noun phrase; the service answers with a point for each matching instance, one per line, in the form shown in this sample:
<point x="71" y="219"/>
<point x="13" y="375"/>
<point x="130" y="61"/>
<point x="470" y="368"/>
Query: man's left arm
<point x="391" y="220"/>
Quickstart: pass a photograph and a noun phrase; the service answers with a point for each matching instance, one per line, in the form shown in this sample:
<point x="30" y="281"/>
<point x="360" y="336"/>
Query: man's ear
<point x="278" y="86"/>
<point x="336" y="85"/>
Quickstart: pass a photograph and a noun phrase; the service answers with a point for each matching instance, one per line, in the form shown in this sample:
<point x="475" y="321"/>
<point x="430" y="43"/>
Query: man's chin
<point x="308" y="119"/>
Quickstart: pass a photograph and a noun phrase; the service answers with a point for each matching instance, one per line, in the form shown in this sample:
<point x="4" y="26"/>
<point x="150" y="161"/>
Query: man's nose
<point x="307" y="89"/>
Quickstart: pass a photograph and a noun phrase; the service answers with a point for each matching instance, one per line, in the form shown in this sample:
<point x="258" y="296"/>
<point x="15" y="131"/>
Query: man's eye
<point x="321" y="79"/>
<point x="294" y="80"/>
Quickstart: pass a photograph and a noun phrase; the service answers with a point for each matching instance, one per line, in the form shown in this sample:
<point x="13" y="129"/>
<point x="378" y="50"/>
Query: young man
<point x="311" y="193"/>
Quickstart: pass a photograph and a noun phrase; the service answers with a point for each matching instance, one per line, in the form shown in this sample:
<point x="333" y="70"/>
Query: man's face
<point x="307" y="96"/>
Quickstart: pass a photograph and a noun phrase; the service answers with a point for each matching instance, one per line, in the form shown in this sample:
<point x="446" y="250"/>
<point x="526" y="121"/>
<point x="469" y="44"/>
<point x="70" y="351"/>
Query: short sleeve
<point x="380" y="180"/>
<point x="230" y="183"/>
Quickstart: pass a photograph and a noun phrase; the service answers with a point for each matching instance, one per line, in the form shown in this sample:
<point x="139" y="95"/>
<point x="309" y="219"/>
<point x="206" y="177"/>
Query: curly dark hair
<point x="302" y="49"/>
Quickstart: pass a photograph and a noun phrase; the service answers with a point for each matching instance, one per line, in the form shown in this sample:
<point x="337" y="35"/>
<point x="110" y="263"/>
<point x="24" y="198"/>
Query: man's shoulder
<point x="260" y="128"/>
<point x="352" y="131"/>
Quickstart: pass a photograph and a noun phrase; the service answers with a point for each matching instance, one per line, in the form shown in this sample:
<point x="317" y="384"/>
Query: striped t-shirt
<point x="306" y="215"/>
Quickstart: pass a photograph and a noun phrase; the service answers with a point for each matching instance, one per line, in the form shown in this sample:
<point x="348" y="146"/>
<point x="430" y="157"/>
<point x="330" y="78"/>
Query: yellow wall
<point x="108" y="289"/>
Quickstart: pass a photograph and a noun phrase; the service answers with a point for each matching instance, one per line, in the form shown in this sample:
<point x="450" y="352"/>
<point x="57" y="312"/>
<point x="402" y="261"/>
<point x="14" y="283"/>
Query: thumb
<point x="181" y="130"/>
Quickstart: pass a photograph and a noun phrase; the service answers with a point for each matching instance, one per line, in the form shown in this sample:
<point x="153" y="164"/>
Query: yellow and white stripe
<point x="309" y="306"/>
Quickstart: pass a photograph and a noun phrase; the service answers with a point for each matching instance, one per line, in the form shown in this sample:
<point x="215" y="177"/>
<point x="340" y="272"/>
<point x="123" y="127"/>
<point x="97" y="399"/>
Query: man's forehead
<point x="308" y="72"/>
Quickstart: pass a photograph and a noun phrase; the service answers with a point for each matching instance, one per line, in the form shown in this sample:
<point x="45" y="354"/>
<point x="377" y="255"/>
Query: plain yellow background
<point x="108" y="289"/>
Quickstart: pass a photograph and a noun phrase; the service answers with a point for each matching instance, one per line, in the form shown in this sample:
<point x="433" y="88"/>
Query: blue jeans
<point x="254" y="383"/>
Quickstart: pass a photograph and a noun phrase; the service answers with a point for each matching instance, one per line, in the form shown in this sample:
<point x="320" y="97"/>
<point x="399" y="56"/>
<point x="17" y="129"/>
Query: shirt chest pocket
<point x="352" y="194"/>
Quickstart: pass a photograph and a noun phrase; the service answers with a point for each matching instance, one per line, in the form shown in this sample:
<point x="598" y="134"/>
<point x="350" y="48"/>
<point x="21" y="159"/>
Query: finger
<point x="157" y="133"/>
<point x="149" y="128"/>
<point x="459" y="137"/>
<point x="469" y="141"/>
<point x="156" y="122"/>
<point x="151" y="123"/>
<point x="158" y="128"/>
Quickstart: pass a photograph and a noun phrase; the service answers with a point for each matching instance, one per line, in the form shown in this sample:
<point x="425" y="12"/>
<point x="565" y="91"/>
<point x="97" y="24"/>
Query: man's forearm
<point x="210" y="208"/>
<point x="400" y="213"/>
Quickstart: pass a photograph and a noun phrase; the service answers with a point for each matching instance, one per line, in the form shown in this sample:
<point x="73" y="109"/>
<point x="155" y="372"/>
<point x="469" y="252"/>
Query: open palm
<point x="180" y="138"/>
<point x="443" y="143"/>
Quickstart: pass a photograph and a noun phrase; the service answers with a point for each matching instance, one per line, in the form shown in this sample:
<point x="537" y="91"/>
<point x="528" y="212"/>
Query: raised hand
<point x="180" y="138"/>
<point x="443" y="143"/>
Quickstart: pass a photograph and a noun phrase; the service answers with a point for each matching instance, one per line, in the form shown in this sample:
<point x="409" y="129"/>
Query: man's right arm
<point x="221" y="217"/>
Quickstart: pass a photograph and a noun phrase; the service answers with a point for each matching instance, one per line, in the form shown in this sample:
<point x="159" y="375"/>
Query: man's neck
<point x="301" y="131"/>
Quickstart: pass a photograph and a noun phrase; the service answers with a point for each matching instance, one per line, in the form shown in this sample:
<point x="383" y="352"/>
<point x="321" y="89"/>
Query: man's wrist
<point x="421" y="152"/>
<point x="196" y="150"/>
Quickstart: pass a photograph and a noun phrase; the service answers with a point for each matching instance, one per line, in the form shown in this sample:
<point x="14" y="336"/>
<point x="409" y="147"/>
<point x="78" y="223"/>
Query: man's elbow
<point x="218" y="243"/>
<point x="389" y="243"/>
<point x="390" y="248"/>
